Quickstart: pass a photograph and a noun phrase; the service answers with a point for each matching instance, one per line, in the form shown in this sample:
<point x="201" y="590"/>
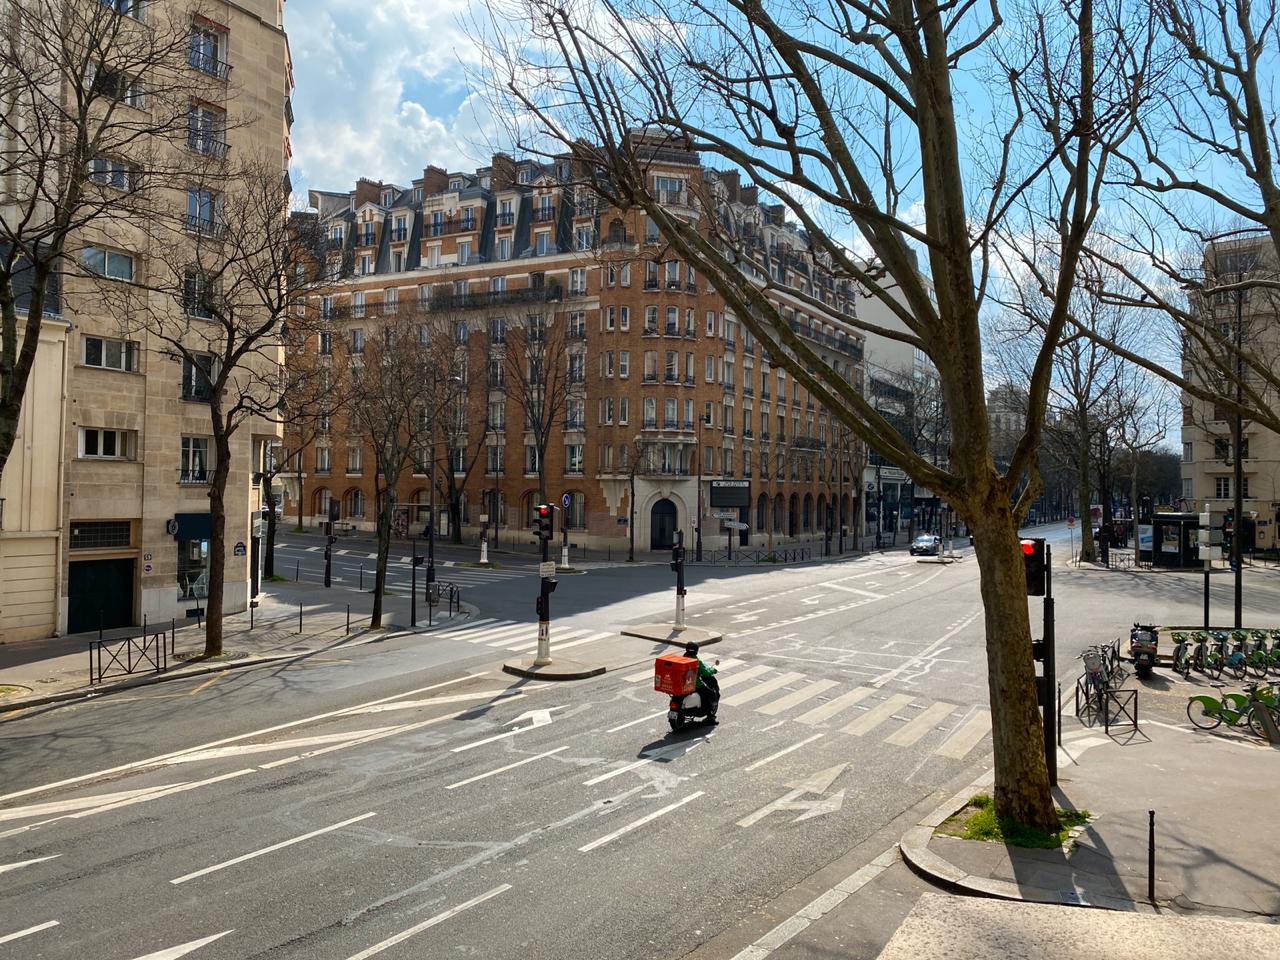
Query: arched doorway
<point x="662" y="525"/>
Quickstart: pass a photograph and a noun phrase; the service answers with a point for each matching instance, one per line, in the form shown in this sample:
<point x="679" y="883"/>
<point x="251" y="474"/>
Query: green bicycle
<point x="1235" y="709"/>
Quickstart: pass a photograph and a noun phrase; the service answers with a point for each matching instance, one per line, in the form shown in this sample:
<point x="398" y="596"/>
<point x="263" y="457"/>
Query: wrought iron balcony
<point x="506" y="218"/>
<point x="208" y="63"/>
<point x="544" y="214"/>
<point x="206" y="144"/>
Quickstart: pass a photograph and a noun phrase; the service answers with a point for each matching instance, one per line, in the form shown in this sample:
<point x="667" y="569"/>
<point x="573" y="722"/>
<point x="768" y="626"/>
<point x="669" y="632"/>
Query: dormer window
<point x="455" y="184"/>
<point x="525" y="175"/>
<point x="386" y="198"/>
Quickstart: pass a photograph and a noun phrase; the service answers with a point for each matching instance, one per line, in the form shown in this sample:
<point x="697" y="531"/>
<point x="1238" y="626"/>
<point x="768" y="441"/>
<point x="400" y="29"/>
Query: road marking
<point x="816" y="598"/>
<point x="244" y="749"/>
<point x="530" y="643"/>
<point x="509" y="766"/>
<point x="173" y="953"/>
<point x="966" y="736"/>
<point x="759" y="690"/>
<point x="208" y="683"/>
<point x="8" y="937"/>
<point x="832" y="707"/>
<point x="154" y="761"/>
<point x="438" y="918"/>
<point x="497" y="696"/>
<point x="782" y="753"/>
<point x="639" y="675"/>
<point x="271" y="849"/>
<point x="662" y="753"/>
<point x="636" y="824"/>
<point x="819" y="907"/>
<point x="312" y="549"/>
<point x="632" y="723"/>
<point x="877" y="715"/>
<point x="5" y="868"/>
<point x="855" y="590"/>
<point x="913" y="730"/>
<point x="748" y="674"/>
<point x="594" y="638"/>
<point x="819" y="783"/>
<point x="884" y="678"/>
<point x="807" y="692"/>
<point x="342" y="553"/>
<point x="540" y="718"/>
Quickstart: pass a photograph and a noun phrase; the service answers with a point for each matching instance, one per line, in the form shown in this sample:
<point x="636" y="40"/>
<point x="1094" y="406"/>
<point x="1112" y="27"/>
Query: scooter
<point x="1143" y="641"/>
<point x="694" y="707"/>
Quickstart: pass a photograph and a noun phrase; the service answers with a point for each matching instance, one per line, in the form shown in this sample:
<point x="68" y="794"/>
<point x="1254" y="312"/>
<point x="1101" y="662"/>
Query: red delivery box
<point x="676" y="676"/>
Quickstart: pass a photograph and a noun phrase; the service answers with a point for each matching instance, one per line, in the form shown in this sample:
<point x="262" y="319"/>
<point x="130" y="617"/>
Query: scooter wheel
<point x="1143" y="670"/>
<point x="677" y="724"/>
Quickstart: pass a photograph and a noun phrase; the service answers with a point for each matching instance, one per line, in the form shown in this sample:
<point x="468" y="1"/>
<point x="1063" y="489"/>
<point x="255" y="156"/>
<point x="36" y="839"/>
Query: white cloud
<point x="380" y="90"/>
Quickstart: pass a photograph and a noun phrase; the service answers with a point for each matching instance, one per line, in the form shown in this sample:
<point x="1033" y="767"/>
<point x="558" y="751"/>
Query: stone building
<point x="668" y="393"/>
<point x="106" y="519"/>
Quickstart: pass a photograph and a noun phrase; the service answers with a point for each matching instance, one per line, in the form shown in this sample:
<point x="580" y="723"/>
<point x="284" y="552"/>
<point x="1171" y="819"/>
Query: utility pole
<point x="1237" y="525"/>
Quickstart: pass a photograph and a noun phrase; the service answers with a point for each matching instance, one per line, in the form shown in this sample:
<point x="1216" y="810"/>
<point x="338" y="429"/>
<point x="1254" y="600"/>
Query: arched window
<point x="320" y="503"/>
<point x="617" y="231"/>
<point x="806" y="523"/>
<point x="762" y="512"/>
<point x="777" y="513"/>
<point x="421" y="500"/>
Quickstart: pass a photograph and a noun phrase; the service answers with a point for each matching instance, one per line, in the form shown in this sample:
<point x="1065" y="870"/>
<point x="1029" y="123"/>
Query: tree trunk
<point x="1133" y="507"/>
<point x="215" y="596"/>
<point x="384" y="550"/>
<point x="269" y="558"/>
<point x="455" y="515"/>
<point x="1022" y="780"/>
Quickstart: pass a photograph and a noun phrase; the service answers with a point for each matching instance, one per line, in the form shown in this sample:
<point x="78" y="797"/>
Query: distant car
<point x="926" y="544"/>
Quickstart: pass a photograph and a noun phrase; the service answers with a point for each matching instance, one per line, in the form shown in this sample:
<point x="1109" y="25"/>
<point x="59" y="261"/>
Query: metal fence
<point x="747" y="556"/>
<point x="448" y="593"/>
<point x="148" y="652"/>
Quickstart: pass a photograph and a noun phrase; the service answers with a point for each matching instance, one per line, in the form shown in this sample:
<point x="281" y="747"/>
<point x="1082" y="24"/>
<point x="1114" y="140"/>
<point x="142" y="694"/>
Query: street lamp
<point x="697" y="529"/>
<point x="631" y="525"/>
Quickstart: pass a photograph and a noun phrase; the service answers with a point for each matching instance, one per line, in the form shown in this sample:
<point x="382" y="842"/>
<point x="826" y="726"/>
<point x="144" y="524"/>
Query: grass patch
<point x="978" y="821"/>
<point x="276" y="578"/>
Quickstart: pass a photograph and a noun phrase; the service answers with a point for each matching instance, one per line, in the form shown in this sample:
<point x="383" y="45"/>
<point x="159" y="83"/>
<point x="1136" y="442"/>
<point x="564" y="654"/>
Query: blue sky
<point x="380" y="90"/>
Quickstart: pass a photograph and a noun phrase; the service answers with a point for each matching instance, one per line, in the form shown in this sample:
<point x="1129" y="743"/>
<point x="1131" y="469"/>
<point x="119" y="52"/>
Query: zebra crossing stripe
<point x="474" y="625"/>
<point x="966" y="736"/>
<point x="876" y="715"/>
<point x="745" y="675"/>
<point x="914" y="729"/>
<point x="589" y="639"/>
<point x="530" y="644"/>
<point x="832" y="707"/>
<point x="759" y="690"/>
<point x="515" y="634"/>
<point x="795" y="698"/>
<point x="647" y="673"/>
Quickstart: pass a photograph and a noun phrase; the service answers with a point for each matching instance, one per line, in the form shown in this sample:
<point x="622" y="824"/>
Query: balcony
<point x="206" y="144"/>
<point x="673" y="284"/>
<point x="671" y="330"/>
<point x="334" y="243"/>
<point x="808" y="443"/>
<point x="748" y="433"/>
<point x="849" y="348"/>
<point x="193" y="476"/>
<point x="651" y="284"/>
<point x="731" y="345"/>
<point x="671" y="377"/>
<point x="650" y="378"/>
<point x="205" y="226"/>
<point x="764" y="393"/>
<point x="506" y="218"/>
<point x="442" y="228"/>
<point x="577" y="333"/>
<point x="649" y="331"/>
<point x="365" y="239"/>
<point x="670" y="423"/>
<point x="730" y="388"/>
<point x="544" y="214"/>
<point x="728" y="429"/>
<point x="399" y="234"/>
<point x="749" y="349"/>
<point x="616" y="240"/>
<point x="650" y="424"/>
<point x="748" y="392"/>
<point x="577" y="290"/>
<point x="208" y="63"/>
<point x="445" y="299"/>
<point x="575" y="425"/>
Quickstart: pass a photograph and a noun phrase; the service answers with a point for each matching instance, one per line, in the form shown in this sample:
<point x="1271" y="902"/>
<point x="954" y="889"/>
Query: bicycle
<point x="1093" y="684"/>
<point x="1116" y="673"/>
<point x="1256" y="657"/>
<point x="1235" y="709"/>
<point x="1209" y="657"/>
<point x="1182" y="654"/>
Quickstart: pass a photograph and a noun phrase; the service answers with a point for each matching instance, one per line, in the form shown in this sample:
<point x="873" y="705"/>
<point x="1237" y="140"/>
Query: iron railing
<point x="145" y="652"/>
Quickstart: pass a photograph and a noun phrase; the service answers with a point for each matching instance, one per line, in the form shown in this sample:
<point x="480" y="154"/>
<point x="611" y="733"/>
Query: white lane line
<point x="153" y="761"/>
<point x="342" y="553"/>
<point x="832" y="707"/>
<point x="966" y="736"/>
<point x="8" y="937"/>
<point x="632" y="723"/>
<point x="782" y="753"/>
<point x="639" y="675"/>
<point x="819" y="907"/>
<point x="182" y="949"/>
<point x="876" y="715"/>
<point x="271" y="849"/>
<point x="540" y="718"/>
<point x="653" y="757"/>
<point x="5" y="868"/>
<point x="807" y="692"/>
<point x="759" y="690"/>
<point x="636" y="824"/>
<point x="509" y="766"/>
<point x="497" y="696"/>
<point x="425" y="924"/>
<point x="864" y="593"/>
<point x="914" y="729"/>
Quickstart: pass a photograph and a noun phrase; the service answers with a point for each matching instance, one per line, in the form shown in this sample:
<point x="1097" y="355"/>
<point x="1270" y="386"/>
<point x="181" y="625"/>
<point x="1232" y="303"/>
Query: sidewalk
<point x="57" y="668"/>
<point x="1214" y="799"/>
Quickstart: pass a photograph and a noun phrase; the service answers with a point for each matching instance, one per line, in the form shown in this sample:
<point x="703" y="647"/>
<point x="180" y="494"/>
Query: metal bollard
<point x="173" y="634"/>
<point x="1059" y="713"/>
<point x="297" y="571"/>
<point x="362" y="577"/>
<point x="348" y="618"/>
<point x="299" y="618"/>
<point x="1151" y="856"/>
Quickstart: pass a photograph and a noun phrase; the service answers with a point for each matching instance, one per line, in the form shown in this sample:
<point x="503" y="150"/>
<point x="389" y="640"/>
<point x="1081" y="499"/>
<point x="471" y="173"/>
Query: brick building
<point x="667" y="391"/>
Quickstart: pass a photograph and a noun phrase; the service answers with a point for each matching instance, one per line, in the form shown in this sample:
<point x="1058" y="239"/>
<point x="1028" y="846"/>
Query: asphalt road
<point x="407" y="799"/>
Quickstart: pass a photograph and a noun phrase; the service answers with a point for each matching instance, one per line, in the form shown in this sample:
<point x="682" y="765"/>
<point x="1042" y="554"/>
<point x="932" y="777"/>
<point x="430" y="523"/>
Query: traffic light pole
<point x="677" y="564"/>
<point x="328" y="554"/>
<point x="1050" y="674"/>
<point x="544" y="613"/>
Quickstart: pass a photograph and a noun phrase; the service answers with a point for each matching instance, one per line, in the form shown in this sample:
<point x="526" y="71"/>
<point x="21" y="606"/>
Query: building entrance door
<point x="99" y="589"/>
<point x="662" y="525"/>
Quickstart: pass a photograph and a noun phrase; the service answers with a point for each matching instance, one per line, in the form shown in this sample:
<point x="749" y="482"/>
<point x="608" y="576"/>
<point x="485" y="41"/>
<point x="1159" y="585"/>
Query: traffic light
<point x="1034" y="566"/>
<point x="540" y="605"/>
<point x="545" y="516"/>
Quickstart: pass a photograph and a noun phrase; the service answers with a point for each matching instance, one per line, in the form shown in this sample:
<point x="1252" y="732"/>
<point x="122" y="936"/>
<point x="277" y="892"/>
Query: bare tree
<point x="91" y="101"/>
<point x="398" y="388"/>
<point x="544" y="378"/>
<point x="463" y="435"/>
<point x="789" y="96"/>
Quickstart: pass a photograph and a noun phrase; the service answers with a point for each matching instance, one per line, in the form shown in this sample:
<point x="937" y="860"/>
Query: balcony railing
<point x="650" y="424"/>
<point x="748" y="391"/>
<point x="577" y="290"/>
<point x="399" y="234"/>
<point x="670" y="423"/>
<point x="205" y="226"/>
<point x="650" y="378"/>
<point x="208" y="63"/>
<point x="195" y="475"/>
<point x="731" y="345"/>
<point x="206" y="144"/>
<point x="544" y="214"/>
<point x="365" y="239"/>
<point x="506" y="218"/>
<point x="445" y="299"/>
<point x="849" y="348"/>
<point x="672" y="377"/>
<point x="651" y="284"/>
<point x="671" y="330"/>
<point x="577" y="333"/>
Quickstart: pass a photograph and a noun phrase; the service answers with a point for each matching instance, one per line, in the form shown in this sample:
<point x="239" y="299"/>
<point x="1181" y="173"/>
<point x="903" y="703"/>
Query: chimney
<point x="368" y="191"/>
<point x="748" y="195"/>
<point x="434" y="180"/>
<point x="504" y="171"/>
<point x="777" y="214"/>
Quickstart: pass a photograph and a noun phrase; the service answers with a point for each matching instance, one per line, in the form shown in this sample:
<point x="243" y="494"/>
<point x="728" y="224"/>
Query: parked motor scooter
<point x="1143" y="641"/>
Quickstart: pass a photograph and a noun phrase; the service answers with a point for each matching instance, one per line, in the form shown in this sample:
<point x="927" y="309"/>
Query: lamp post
<point x="631" y="502"/>
<point x="1237" y="525"/>
<point x="697" y="528"/>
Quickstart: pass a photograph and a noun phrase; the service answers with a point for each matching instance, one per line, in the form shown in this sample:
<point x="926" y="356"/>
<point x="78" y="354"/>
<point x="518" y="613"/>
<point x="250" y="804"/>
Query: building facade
<point x="672" y="409"/>
<point x="109" y="491"/>
<point x="1251" y="318"/>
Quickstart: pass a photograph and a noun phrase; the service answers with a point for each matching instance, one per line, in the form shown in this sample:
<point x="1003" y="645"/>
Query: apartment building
<point x="668" y="393"/>
<point x="1250" y="317"/>
<point x="108" y="518"/>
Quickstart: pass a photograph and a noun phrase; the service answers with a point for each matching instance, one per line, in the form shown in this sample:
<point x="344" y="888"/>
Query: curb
<point x="941" y="872"/>
<point x="665" y="633"/>
<point x="558" y="670"/>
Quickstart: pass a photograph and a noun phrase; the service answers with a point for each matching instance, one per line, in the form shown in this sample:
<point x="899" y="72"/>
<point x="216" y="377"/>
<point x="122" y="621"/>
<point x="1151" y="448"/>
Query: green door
<point x="99" y="592"/>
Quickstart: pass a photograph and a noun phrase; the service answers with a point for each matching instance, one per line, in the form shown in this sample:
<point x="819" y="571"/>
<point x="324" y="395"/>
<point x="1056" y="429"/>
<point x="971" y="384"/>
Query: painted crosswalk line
<point x="795" y="698"/>
<point x="750" y="673"/>
<point x="876" y="715"/>
<point x="832" y="707"/>
<point x="966" y="736"/>
<point x="760" y="689"/>
<point x="914" y="729"/>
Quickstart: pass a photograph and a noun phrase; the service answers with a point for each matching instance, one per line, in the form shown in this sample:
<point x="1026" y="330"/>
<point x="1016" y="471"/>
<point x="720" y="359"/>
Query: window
<point x="624" y="364"/>
<point x="494" y="458"/>
<point x="531" y="460"/>
<point x="573" y="458"/>
<point x="355" y="458"/>
<point x="324" y="460"/>
<point x="197" y="461"/>
<point x="107" y="263"/>
<point x="606" y="459"/>
<point x="584" y="238"/>
<point x="688" y="368"/>
<point x="650" y="366"/>
<point x="577" y="368"/>
<point x="357" y="341"/>
<point x="111" y="354"/>
<point x="1188" y="491"/>
<point x="577" y="325"/>
<point x="575" y="515"/>
<point x="504" y="248"/>
<point x="207" y="134"/>
<point x="397" y="262"/>
<point x="112" y="173"/>
<point x="624" y="410"/>
<point x="711" y="323"/>
<point x="1222" y="488"/>
<point x="108" y="444"/>
<point x="673" y="321"/>
<point x="366" y="264"/>
<point x="709" y="372"/>
<point x="672" y="270"/>
<point x="671" y="368"/>
<point x="460" y="331"/>
<point x="606" y="364"/>
<point x="97" y="534"/>
<point x="624" y="319"/>
<point x="198" y="294"/>
<point x="132" y="8"/>
<point x="193" y="569"/>
<point x="202" y="211"/>
<point x="464" y="251"/>
<point x="577" y="281"/>
<point x="606" y="411"/>
<point x="688" y="414"/>
<point x="542" y="244"/>
<point x="357" y="303"/>
<point x="624" y="277"/>
<point x="118" y="86"/>
<point x="1222" y="450"/>
<point x="1186" y="451"/>
<point x="611" y="274"/>
<point x="497" y="285"/>
<point x="650" y="319"/>
<point x="197" y="377"/>
<point x="650" y="412"/>
<point x="610" y="317"/>
<point x="355" y="503"/>
<point x="204" y="52"/>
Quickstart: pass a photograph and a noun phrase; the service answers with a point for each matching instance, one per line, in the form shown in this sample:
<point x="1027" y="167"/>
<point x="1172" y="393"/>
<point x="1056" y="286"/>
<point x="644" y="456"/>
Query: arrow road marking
<point x="173" y="953"/>
<point x="539" y="718"/>
<point x="814" y="599"/>
<point x="818" y="784"/>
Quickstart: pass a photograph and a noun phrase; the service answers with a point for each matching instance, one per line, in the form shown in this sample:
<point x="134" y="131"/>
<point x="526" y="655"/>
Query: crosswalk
<point x="450" y="571"/>
<point x="897" y="719"/>
<point x="519" y="637"/>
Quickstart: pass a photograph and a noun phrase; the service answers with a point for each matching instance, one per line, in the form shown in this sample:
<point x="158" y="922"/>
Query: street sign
<point x="1071" y="523"/>
<point x="1208" y="552"/>
<point x="547" y="568"/>
<point x="238" y="549"/>
<point x="735" y="525"/>
<point x="564" y="501"/>
<point x="725" y="515"/>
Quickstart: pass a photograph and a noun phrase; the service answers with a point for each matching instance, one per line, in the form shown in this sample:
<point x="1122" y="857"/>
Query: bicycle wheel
<point x="1237" y="666"/>
<point x="1197" y="713"/>
<point x="1256" y="665"/>
<point x="1255" y="724"/>
<point x="1212" y="665"/>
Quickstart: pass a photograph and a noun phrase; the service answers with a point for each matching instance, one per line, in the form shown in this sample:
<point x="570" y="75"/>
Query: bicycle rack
<point x="1126" y="704"/>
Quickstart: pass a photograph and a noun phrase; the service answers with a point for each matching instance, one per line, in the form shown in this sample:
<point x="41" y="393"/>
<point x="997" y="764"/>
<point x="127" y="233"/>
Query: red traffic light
<point x="544" y="510"/>
<point x="1028" y="547"/>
